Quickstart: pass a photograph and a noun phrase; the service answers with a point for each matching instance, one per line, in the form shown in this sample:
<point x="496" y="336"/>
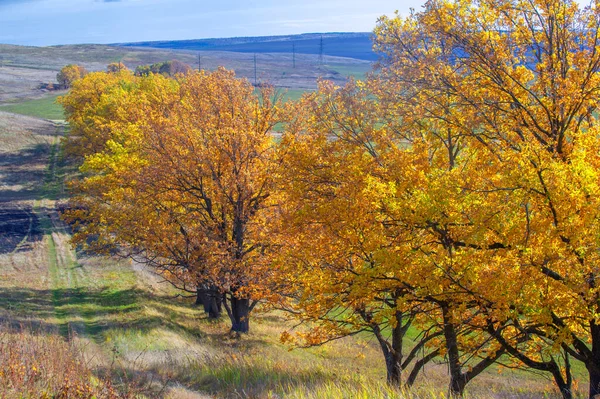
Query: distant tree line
<point x="167" y="68"/>
<point x="73" y="72"/>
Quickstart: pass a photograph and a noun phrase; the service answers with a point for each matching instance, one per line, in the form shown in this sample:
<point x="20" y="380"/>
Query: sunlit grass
<point x="358" y="72"/>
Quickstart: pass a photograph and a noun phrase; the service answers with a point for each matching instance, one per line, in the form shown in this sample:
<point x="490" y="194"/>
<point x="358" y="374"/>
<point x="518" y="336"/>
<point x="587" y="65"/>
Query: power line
<point x="254" y="69"/>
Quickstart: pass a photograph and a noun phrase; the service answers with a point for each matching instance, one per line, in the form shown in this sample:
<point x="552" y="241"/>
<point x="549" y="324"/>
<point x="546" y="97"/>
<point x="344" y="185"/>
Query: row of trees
<point x="73" y="72"/>
<point x="455" y="192"/>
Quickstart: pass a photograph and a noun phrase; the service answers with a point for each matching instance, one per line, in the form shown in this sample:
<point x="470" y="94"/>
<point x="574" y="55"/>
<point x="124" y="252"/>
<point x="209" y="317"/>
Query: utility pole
<point x="199" y="62"/>
<point x="254" y="69"/>
<point x="294" y="54"/>
<point x="321" y="52"/>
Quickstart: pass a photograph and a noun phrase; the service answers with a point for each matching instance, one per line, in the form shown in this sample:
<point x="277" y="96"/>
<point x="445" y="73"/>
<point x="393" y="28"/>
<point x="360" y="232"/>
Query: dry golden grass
<point x="46" y="366"/>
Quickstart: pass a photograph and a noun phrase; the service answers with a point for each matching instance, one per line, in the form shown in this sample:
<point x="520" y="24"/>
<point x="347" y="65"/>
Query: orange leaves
<point x="460" y="177"/>
<point x="500" y="94"/>
<point x="177" y="173"/>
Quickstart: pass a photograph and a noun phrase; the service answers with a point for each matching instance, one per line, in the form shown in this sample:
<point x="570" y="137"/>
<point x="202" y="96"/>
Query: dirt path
<point x="36" y="259"/>
<point x="102" y="304"/>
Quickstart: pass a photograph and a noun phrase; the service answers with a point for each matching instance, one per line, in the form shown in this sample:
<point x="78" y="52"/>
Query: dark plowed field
<point x="19" y="228"/>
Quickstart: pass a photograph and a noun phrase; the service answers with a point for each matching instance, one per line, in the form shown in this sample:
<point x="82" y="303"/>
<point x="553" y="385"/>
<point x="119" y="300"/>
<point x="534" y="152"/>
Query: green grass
<point x="45" y="108"/>
<point x="358" y="72"/>
<point x="293" y="94"/>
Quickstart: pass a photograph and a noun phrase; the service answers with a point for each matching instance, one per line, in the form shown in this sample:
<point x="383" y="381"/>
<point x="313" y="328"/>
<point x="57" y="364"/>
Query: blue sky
<point x="47" y="22"/>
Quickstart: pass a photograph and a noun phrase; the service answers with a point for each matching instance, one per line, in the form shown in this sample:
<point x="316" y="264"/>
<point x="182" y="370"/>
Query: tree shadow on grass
<point x="26" y="169"/>
<point x="221" y="380"/>
<point x="94" y="311"/>
<point x="33" y="173"/>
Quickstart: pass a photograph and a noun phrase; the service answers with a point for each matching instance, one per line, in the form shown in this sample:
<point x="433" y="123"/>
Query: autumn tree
<point x="184" y="185"/>
<point x="108" y="113"/>
<point x="523" y="78"/>
<point x="93" y="113"/>
<point x="143" y="70"/>
<point x="357" y="213"/>
<point x="69" y="74"/>
<point x="386" y="225"/>
<point x="174" y="67"/>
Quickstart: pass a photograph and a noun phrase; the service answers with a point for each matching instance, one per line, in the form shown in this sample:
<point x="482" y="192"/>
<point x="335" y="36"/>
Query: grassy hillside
<point x="23" y="69"/>
<point x="351" y="45"/>
<point x="131" y="327"/>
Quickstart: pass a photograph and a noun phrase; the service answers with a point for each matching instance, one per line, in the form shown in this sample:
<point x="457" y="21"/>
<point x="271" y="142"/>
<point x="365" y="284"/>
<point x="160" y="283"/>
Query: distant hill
<point x="352" y="45"/>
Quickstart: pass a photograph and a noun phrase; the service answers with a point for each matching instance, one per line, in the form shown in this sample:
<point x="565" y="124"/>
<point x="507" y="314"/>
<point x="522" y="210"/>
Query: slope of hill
<point x="352" y="45"/>
<point x="128" y="325"/>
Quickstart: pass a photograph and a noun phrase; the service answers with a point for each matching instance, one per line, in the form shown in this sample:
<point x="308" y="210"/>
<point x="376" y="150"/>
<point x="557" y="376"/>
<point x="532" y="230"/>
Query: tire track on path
<point x="67" y="276"/>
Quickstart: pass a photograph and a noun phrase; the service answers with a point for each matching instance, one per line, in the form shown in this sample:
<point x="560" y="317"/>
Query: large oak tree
<point x="181" y="182"/>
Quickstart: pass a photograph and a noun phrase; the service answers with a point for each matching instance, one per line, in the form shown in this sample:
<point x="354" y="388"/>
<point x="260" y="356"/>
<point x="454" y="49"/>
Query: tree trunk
<point x="210" y="299"/>
<point x="566" y="385"/>
<point x="593" y="361"/>
<point x="213" y="304"/>
<point x="394" y="359"/>
<point x="199" y="300"/>
<point x="457" y="386"/>
<point x="218" y="301"/>
<point x="392" y="353"/>
<point x="393" y="363"/>
<point x="565" y="389"/>
<point x="457" y="380"/>
<point x="240" y="315"/>
<point x="594" y="373"/>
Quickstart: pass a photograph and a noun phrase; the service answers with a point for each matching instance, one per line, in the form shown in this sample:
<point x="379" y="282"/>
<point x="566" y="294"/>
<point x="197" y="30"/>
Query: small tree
<point x="69" y="74"/>
<point x="174" y="67"/>
<point x="116" y="67"/>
